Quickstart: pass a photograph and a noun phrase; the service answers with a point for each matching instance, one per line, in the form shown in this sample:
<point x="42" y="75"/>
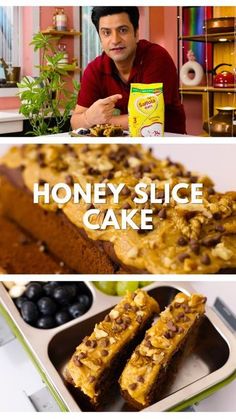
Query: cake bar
<point x="145" y="374"/>
<point x="99" y="359"/>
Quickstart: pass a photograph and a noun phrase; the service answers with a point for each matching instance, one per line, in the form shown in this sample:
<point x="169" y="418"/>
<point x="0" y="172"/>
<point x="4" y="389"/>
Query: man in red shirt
<point x="106" y="80"/>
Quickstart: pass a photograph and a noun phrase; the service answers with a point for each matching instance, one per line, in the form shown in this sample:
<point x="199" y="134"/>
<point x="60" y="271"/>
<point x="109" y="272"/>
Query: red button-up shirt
<point x="152" y="64"/>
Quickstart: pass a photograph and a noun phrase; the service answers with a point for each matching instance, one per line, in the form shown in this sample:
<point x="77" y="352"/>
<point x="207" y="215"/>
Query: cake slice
<point x="147" y="371"/>
<point x="100" y="358"/>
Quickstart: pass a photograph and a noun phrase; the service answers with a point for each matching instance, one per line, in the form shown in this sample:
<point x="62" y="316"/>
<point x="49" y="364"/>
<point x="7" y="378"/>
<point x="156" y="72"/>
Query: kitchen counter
<point x="11" y="121"/>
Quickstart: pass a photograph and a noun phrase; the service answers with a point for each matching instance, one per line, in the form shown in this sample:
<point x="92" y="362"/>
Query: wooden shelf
<point x="60" y="33"/>
<point x="206" y="89"/>
<point x="210" y="37"/>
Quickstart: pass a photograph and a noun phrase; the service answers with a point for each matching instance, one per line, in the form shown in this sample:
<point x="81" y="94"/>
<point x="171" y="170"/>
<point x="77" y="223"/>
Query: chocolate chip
<point x="171" y="326"/>
<point x="180" y="329"/>
<point x="220" y="228"/>
<point x="82" y="355"/>
<point x="148" y="343"/>
<point x="77" y="361"/>
<point x="119" y="320"/>
<point x="205" y="260"/>
<point x="169" y="334"/>
<point x="186" y="308"/>
<point x="217" y="216"/>
<point x="127" y="320"/>
<point x="145" y="230"/>
<point x="140" y="379"/>
<point x="104" y="352"/>
<point x="69" y="180"/>
<point x="104" y="342"/>
<point x="194" y="246"/>
<point x="183" y="256"/>
<point x="160" y="195"/>
<point x="22" y="167"/>
<point x="108" y="191"/>
<point x="88" y="342"/>
<point x="162" y="214"/>
<point x="91" y="379"/>
<point x="185" y="319"/>
<point x="211" y="240"/>
<point x="99" y="362"/>
<point x="179" y="316"/>
<point x="133" y="386"/>
<point x="41" y="182"/>
<point x="127" y="306"/>
<point x="124" y="326"/>
<point x="211" y="191"/>
<point x="126" y="205"/>
<point x="182" y="241"/>
<point x="189" y="215"/>
<point x="92" y="171"/>
<point x="125" y="191"/>
<point x="139" y="319"/>
<point x="177" y="305"/>
<point x="107" y="318"/>
<point x="93" y="343"/>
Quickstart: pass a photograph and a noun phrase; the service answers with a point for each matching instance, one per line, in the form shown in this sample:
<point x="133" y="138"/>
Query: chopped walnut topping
<point x="99" y="333"/>
<point x="139" y="299"/>
<point x="114" y="314"/>
<point x="222" y="252"/>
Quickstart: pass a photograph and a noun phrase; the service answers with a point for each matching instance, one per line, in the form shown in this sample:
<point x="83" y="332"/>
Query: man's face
<point x="117" y="37"/>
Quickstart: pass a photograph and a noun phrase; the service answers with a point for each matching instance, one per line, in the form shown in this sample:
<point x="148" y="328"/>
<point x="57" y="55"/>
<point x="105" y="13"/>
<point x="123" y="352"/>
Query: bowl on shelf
<point x="220" y="24"/>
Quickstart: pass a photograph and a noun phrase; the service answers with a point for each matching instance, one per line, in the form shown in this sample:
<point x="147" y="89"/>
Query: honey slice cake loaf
<point x="99" y="359"/>
<point x="145" y="374"/>
<point x="184" y="239"/>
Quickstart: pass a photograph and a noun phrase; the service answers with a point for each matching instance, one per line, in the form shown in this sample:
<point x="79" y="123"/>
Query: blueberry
<point x="83" y="131"/>
<point x="62" y="317"/>
<point x="46" y="322"/>
<point x="49" y="288"/>
<point x="19" y="301"/>
<point x="84" y="300"/>
<point x="62" y="295"/>
<point x="76" y="310"/>
<point x="29" y="312"/>
<point x="72" y="290"/>
<point x="47" y="306"/>
<point x="34" y="291"/>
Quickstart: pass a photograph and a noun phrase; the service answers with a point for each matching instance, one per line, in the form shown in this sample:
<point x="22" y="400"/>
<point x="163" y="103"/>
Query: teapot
<point x="225" y="78"/>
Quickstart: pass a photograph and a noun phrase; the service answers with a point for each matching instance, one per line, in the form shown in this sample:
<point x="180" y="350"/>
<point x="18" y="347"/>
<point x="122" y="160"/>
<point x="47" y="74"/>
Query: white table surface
<point x="14" y="363"/>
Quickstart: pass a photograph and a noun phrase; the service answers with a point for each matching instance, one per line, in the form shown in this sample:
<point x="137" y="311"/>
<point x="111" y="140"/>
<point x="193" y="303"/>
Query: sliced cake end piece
<point x="100" y="358"/>
<point x="147" y="371"/>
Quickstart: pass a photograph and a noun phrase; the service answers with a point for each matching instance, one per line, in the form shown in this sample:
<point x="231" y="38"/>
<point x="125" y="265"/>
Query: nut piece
<point x="99" y="333"/>
<point x="222" y="252"/>
<point x="179" y="300"/>
<point x="114" y="314"/>
<point x="139" y="299"/>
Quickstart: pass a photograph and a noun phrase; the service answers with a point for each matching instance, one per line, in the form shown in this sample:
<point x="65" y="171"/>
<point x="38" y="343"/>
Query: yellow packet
<point x="146" y="110"/>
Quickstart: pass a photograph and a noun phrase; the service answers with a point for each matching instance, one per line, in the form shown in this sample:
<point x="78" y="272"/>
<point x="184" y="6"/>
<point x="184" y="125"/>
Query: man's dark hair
<point x="132" y="12"/>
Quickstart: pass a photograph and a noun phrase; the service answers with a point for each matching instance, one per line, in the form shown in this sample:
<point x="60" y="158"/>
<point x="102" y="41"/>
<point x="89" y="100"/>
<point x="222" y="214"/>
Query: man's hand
<point x="101" y="111"/>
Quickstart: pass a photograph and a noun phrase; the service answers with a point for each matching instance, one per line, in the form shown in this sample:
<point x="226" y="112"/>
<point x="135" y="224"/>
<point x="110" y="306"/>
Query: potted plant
<point x="46" y="101"/>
